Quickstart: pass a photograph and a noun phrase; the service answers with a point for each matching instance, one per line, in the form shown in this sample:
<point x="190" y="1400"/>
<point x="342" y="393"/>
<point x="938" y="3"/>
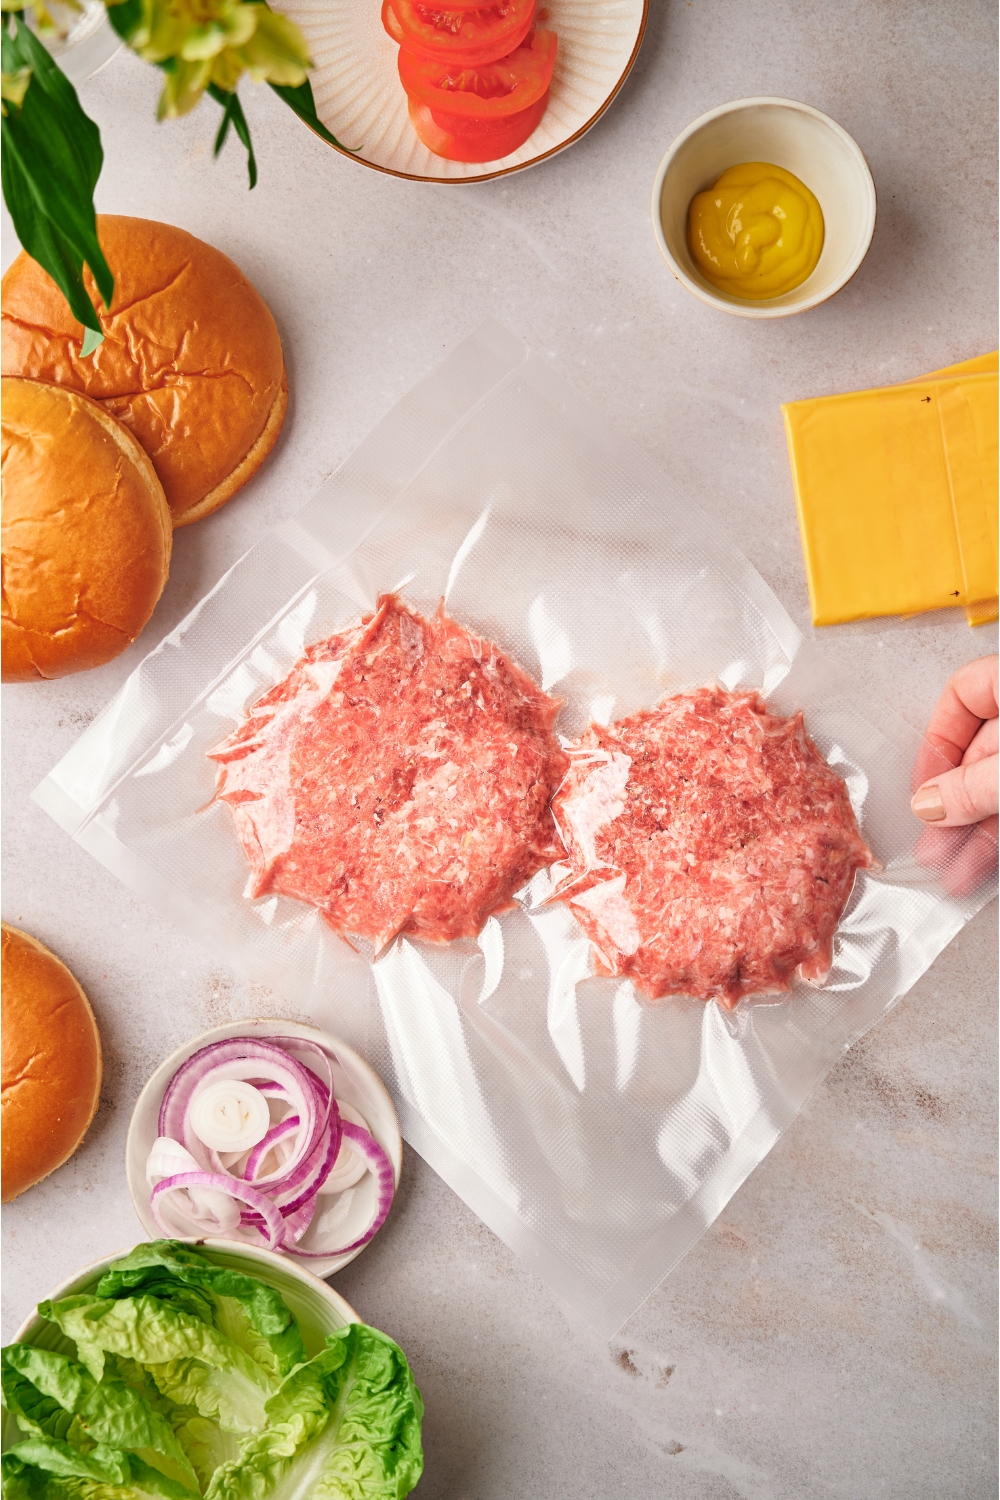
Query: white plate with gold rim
<point x="359" y="97"/>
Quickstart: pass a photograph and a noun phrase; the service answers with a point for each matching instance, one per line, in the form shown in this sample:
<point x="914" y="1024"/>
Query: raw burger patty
<point x="398" y="779"/>
<point x="711" y="849"/>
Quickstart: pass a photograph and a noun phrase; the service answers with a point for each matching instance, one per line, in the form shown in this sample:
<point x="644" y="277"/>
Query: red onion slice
<point x="319" y="1167"/>
<point x="277" y="1132"/>
<point x="281" y="1204"/>
<point x="385" y="1183"/>
<point x="259" y="1203"/>
<point x="236" y="1049"/>
<point x="244" y="1058"/>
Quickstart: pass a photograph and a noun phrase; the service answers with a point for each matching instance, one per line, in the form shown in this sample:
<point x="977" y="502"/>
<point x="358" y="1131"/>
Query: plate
<point x="359" y="97"/>
<point x="354" y="1083"/>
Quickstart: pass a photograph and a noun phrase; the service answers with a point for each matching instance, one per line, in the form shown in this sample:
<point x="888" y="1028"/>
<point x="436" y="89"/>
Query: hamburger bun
<point x="86" y="533"/>
<point x="51" y="1063"/>
<point x="191" y="360"/>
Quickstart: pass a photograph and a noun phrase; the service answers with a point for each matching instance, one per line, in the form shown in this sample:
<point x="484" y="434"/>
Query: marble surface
<point x="833" y="1334"/>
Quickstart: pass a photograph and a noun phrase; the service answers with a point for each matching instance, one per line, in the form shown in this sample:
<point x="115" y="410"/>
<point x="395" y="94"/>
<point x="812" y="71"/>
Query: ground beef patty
<point x="398" y="779"/>
<point x="711" y="848"/>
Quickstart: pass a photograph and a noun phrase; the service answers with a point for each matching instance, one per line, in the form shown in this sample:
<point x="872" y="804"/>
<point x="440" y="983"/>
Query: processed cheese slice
<point x="983" y="611"/>
<point x="897" y="495"/>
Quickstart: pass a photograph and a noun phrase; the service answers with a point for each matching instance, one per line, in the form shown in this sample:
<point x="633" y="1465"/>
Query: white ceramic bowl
<point x="317" y="1307"/>
<point x="354" y="1082"/>
<point x="787" y="134"/>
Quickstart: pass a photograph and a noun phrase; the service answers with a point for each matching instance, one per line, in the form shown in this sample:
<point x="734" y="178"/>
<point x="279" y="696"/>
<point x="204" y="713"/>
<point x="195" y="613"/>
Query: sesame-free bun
<point x="51" y="1062"/>
<point x="86" y="533"/>
<point x="191" y="360"/>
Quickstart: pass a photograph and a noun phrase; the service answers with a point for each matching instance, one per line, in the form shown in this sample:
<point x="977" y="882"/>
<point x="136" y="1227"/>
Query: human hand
<point x="956" y="778"/>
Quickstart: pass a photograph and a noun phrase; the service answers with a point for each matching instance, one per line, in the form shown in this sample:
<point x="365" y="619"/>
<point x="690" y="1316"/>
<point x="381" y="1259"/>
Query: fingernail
<point x="928" y="805"/>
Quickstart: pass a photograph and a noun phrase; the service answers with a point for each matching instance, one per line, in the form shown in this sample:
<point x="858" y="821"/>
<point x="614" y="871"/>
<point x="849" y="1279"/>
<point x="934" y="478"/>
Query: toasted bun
<point x="86" y="533"/>
<point x="51" y="1063"/>
<point x="191" y="360"/>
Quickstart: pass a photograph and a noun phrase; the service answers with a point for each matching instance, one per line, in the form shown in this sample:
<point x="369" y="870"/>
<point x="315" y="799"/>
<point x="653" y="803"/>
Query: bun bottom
<point x="51" y="1062"/>
<point x="247" y="468"/>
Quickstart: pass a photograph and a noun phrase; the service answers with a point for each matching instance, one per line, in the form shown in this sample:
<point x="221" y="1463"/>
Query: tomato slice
<point x="389" y="21"/>
<point x="505" y="87"/>
<point x="466" y="36"/>
<point x="459" y="138"/>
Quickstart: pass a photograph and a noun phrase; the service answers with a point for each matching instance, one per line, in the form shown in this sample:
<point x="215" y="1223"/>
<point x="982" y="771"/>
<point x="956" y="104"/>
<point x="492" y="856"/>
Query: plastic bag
<point x="598" y="1136"/>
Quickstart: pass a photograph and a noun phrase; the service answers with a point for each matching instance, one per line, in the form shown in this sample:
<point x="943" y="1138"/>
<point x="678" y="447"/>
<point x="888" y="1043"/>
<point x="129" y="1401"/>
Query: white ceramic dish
<point x="318" y="1309"/>
<point x="360" y="99"/>
<point x="354" y="1082"/>
<point x="787" y="134"/>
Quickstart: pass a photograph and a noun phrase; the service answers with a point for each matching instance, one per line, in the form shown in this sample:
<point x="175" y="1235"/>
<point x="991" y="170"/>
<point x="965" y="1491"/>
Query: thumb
<point x="967" y="794"/>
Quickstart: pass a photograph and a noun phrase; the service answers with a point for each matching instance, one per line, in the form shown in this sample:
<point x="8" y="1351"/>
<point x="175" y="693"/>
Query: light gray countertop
<point x="833" y="1334"/>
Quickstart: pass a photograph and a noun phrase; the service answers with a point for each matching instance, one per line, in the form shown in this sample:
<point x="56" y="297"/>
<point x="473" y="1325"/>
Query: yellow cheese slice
<point x="984" y="611"/>
<point x="897" y="495"/>
<point x="980" y="364"/>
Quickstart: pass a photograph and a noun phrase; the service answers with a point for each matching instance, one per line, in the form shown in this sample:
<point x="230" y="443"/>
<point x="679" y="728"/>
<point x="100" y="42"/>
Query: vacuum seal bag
<point x="596" y="1132"/>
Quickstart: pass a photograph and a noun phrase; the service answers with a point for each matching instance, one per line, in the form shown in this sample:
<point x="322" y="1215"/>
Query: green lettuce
<point x="344" y="1426"/>
<point x="253" y="1314"/>
<point x="191" y="1380"/>
<point x="191" y="1362"/>
<point x="54" y="1397"/>
<point x="42" y="1469"/>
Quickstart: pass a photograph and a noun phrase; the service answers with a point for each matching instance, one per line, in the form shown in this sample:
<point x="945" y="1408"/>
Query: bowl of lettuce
<point x="190" y="1369"/>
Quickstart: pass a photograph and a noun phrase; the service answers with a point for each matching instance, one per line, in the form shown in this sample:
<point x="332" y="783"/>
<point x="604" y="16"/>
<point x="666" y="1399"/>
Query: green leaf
<point x="42" y="1389"/>
<point x="53" y="1375"/>
<point x="232" y="114"/>
<point x="301" y="100"/>
<point x="102" y="1465"/>
<point x="48" y="1476"/>
<point x="52" y="158"/>
<point x="163" y="1265"/>
<point x="192" y="1363"/>
<point x="53" y="1396"/>
<point x="92" y="339"/>
<point x="344" y="1426"/>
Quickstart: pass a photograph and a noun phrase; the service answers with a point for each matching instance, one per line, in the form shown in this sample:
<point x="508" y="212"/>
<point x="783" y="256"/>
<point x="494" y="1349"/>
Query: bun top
<point x="86" y="533"/>
<point x="51" y="1062"/>
<point x="191" y="360"/>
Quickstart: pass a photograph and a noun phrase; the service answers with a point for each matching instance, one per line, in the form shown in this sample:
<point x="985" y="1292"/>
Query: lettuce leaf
<point x="191" y="1362"/>
<point x="53" y="1396"/>
<point x="42" y="1389"/>
<point x="52" y="1456"/>
<point x="247" y="1309"/>
<point x="207" y="1445"/>
<point x="192" y="1380"/>
<point x="37" y="1470"/>
<point x="344" y="1426"/>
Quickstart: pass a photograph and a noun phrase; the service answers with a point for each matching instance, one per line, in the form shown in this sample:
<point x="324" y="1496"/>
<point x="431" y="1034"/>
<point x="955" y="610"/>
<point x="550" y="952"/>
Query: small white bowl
<point x="354" y="1082"/>
<point x="787" y="134"/>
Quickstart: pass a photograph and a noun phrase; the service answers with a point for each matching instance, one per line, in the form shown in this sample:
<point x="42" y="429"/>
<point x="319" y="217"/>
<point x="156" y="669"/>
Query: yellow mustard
<point x="757" y="232"/>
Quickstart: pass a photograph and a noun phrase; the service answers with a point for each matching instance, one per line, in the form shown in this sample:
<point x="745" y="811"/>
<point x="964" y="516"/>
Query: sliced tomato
<point x="493" y="92"/>
<point x="466" y="36"/>
<point x="458" y="138"/>
<point x="390" y="22"/>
